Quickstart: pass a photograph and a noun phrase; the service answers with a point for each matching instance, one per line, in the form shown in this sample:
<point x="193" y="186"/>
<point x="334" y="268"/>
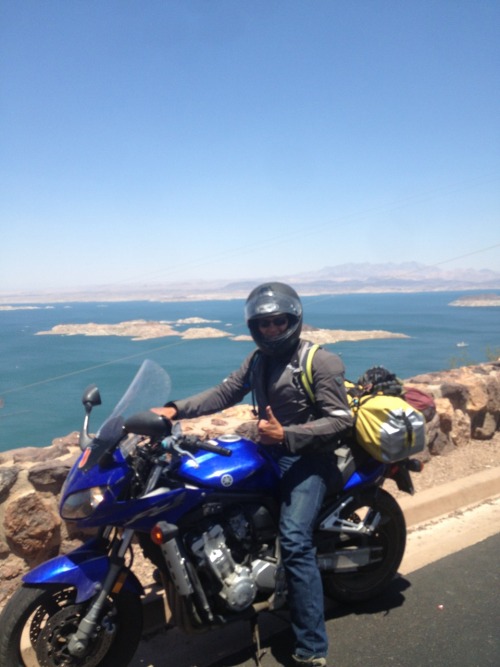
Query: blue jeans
<point x="304" y="481"/>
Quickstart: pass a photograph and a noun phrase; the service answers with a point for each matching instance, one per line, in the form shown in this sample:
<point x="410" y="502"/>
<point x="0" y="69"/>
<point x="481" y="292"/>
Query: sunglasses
<point x="275" y="321"/>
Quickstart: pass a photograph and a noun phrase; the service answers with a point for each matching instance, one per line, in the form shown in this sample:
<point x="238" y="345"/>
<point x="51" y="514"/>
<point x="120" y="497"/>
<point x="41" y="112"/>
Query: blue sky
<point x="161" y="141"/>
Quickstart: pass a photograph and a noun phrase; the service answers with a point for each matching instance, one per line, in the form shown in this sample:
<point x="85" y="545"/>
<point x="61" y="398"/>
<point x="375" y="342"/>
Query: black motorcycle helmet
<point x="274" y="299"/>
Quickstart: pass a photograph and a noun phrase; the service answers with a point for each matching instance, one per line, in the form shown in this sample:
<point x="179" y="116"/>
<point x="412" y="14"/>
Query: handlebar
<point x="159" y="429"/>
<point x="194" y="444"/>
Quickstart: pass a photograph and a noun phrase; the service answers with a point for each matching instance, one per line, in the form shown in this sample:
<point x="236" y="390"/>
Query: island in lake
<point x="146" y="330"/>
<point x="477" y="301"/>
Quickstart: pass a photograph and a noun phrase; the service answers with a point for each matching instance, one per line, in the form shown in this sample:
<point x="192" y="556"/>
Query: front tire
<point x="37" y="622"/>
<point x="389" y="538"/>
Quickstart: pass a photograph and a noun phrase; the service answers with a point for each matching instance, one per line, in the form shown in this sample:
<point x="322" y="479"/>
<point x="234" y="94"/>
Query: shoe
<point x="309" y="662"/>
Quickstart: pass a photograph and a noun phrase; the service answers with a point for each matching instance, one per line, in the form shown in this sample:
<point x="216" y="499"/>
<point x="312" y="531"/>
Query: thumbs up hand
<point x="270" y="430"/>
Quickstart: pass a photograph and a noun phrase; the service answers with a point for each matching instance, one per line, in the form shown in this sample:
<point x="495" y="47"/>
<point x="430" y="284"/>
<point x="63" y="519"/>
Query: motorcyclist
<point x="302" y="436"/>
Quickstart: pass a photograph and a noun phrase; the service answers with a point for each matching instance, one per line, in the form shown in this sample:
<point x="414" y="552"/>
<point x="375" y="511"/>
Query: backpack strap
<point x="305" y="368"/>
<point x="249" y="380"/>
<point x="303" y="371"/>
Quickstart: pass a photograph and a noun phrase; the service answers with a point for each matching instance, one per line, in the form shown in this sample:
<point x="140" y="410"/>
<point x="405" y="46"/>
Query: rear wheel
<point x="36" y="625"/>
<point x="387" y="544"/>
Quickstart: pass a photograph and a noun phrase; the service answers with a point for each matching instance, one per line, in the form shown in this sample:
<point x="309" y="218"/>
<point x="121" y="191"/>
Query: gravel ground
<point x="462" y="461"/>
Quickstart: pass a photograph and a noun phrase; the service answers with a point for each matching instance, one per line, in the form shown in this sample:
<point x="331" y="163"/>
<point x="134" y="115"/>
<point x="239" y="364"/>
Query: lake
<point x="42" y="377"/>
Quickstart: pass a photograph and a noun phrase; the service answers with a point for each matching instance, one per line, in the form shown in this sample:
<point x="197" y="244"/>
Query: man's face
<point x="273" y="326"/>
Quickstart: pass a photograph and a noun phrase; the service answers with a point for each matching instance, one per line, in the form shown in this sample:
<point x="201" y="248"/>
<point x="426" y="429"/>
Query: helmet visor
<point x="270" y="302"/>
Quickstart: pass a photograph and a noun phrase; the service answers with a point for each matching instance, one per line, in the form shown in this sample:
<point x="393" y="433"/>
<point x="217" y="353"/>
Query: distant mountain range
<point x="339" y="279"/>
<point x="404" y="277"/>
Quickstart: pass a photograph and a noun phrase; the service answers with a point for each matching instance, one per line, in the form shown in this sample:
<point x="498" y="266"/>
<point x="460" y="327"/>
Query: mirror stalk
<point x="90" y="398"/>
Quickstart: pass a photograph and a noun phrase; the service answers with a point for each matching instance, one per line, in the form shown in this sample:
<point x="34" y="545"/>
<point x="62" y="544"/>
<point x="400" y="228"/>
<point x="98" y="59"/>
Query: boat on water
<point x="462" y="344"/>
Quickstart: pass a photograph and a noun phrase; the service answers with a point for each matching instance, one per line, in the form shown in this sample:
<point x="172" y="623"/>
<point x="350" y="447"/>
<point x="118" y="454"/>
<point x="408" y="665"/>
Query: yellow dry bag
<point x="388" y="427"/>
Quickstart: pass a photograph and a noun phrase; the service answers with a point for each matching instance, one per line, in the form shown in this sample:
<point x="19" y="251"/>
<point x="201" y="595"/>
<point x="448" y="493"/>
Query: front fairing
<point x="84" y="568"/>
<point x="113" y="479"/>
<point x="103" y="465"/>
<point x="114" y="474"/>
<point x="142" y="514"/>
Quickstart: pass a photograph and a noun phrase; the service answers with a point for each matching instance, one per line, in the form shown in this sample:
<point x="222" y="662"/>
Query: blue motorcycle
<point x="205" y="512"/>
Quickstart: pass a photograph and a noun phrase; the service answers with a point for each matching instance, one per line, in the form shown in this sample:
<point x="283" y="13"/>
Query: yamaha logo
<point x="226" y="480"/>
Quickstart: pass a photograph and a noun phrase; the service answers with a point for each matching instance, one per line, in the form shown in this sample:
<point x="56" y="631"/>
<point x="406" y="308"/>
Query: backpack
<point x="421" y="401"/>
<point x="385" y="425"/>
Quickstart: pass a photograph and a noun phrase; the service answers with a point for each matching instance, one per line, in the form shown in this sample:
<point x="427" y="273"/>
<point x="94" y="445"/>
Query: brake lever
<point x="184" y="452"/>
<point x="171" y="443"/>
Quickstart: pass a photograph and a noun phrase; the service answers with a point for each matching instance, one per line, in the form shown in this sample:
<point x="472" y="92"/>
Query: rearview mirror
<point x="91" y="396"/>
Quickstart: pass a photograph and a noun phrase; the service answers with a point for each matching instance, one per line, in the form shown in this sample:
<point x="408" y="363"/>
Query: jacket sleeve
<point x="229" y="392"/>
<point x="331" y="415"/>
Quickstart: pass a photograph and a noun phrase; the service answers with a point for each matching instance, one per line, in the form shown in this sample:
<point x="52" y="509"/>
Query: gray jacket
<point x="275" y="382"/>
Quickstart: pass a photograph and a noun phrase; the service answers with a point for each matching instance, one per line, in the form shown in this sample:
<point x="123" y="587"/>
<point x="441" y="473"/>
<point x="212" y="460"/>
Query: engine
<point x="233" y="560"/>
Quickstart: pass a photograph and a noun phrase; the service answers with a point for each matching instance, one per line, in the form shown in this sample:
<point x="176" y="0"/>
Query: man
<point x="302" y="436"/>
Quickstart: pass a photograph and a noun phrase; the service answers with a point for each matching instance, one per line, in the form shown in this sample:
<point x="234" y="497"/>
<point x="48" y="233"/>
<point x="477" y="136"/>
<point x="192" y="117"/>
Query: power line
<point x="469" y="254"/>
<point x="90" y="368"/>
<point x="254" y="246"/>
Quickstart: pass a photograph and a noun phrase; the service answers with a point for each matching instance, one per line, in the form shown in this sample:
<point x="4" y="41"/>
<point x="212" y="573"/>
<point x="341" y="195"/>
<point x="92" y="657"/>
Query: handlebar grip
<point x="194" y="444"/>
<point x="210" y="446"/>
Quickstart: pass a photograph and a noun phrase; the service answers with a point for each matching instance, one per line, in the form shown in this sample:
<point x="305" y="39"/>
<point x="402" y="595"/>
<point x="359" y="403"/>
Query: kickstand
<point x="257" y="655"/>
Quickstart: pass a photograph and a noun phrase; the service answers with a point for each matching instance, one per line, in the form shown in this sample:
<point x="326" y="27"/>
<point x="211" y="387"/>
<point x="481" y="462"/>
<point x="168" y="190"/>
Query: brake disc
<point x="52" y="642"/>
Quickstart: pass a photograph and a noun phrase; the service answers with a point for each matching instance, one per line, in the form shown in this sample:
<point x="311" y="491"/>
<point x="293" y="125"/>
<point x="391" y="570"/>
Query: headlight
<point x="82" y="504"/>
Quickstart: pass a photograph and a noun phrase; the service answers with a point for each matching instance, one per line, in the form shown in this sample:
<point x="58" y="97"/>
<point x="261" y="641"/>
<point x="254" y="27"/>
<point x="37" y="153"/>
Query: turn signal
<point x="157" y="535"/>
<point x="162" y="532"/>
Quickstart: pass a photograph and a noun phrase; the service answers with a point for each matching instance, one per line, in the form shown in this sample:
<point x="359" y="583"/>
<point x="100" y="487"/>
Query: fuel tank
<point x="249" y="468"/>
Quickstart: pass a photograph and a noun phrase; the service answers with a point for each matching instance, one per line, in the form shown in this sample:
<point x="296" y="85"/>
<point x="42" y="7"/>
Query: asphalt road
<point x="445" y="613"/>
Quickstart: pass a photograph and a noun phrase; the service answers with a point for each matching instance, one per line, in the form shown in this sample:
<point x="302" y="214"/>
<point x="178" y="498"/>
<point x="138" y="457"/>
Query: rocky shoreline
<point x="467" y="420"/>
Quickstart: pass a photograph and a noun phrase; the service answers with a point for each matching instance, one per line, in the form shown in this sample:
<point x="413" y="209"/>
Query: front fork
<point x="113" y="583"/>
<point x="79" y="641"/>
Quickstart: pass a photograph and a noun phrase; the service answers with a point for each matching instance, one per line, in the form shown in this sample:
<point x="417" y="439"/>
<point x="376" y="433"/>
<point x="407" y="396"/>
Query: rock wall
<point x="467" y="402"/>
<point x="31" y="531"/>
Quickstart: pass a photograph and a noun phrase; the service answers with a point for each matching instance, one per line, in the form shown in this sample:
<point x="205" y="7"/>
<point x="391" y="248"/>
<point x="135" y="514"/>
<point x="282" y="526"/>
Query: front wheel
<point x="387" y="543"/>
<point x="36" y="624"/>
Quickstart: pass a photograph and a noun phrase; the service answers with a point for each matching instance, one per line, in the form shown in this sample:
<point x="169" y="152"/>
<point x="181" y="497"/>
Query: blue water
<point x="42" y="377"/>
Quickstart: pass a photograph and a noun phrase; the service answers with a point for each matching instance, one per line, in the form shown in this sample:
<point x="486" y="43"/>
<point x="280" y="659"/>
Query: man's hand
<point x="270" y="430"/>
<point x="169" y="413"/>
